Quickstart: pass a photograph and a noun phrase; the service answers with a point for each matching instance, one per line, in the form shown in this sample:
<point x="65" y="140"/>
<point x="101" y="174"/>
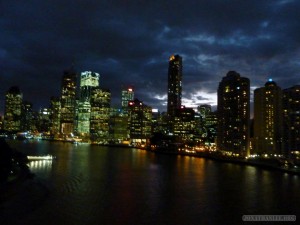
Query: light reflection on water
<point x="40" y="166"/>
<point x="101" y="185"/>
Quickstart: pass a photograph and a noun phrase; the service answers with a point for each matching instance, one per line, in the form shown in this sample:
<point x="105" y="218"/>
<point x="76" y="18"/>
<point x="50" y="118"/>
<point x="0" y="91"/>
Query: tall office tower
<point x="100" y="112"/>
<point x="43" y="120"/>
<point x="127" y="95"/>
<point x="174" y="85"/>
<point x="268" y="119"/>
<point x="209" y="123"/>
<point x="88" y="82"/>
<point x="13" y="109"/>
<point x="118" y="126"/>
<point x="157" y="125"/>
<point x="68" y="97"/>
<point x="140" y="118"/>
<point x="291" y="120"/>
<point x="54" y="116"/>
<point x="185" y="124"/>
<point x="27" y="117"/>
<point x="233" y="114"/>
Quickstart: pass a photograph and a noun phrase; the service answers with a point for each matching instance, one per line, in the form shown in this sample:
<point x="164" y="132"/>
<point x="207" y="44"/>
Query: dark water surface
<point x="106" y="185"/>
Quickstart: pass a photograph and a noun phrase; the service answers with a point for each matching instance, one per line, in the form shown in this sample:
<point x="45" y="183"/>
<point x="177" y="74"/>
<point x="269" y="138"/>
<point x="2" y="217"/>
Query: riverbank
<point x="262" y="163"/>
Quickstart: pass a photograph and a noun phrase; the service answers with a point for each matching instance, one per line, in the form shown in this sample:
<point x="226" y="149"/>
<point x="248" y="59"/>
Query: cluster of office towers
<point x="87" y="113"/>
<point x="275" y="128"/>
<point x="82" y="112"/>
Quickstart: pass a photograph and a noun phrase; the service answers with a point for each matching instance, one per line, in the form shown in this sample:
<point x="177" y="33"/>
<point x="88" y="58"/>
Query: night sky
<point x="129" y="43"/>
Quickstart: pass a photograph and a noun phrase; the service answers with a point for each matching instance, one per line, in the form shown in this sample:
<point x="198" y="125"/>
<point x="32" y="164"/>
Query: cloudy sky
<point x="129" y="43"/>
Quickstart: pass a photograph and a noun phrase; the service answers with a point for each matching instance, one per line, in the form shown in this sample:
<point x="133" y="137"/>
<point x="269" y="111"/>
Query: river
<point x="90" y="184"/>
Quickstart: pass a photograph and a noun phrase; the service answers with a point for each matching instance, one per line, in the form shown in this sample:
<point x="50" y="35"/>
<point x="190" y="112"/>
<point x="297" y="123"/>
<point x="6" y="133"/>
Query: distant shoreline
<point x="206" y="155"/>
<point x="238" y="161"/>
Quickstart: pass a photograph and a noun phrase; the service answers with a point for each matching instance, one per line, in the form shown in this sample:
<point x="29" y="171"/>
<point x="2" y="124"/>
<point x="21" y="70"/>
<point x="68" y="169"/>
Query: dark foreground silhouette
<point x="13" y="164"/>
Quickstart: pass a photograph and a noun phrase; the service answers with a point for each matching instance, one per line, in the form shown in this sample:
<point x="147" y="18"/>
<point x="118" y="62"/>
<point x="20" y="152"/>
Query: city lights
<point x="90" y="118"/>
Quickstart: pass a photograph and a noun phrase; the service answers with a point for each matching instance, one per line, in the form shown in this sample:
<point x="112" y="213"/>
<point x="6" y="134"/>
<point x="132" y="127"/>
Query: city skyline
<point x="129" y="44"/>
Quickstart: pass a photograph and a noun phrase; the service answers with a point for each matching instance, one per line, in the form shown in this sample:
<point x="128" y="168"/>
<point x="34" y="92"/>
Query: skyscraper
<point x="127" y="95"/>
<point x="100" y="112"/>
<point x="27" y="116"/>
<point x="88" y="82"/>
<point x="43" y="120"/>
<point x="13" y="109"/>
<point x="291" y="120"/>
<point x="268" y="119"/>
<point x="184" y="124"/>
<point x="54" y="116"/>
<point x="233" y="114"/>
<point x="68" y="97"/>
<point x="174" y="85"/>
<point x="140" y="118"/>
<point x="118" y="125"/>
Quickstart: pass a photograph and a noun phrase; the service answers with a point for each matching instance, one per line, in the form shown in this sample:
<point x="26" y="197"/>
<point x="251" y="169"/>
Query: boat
<point x="36" y="157"/>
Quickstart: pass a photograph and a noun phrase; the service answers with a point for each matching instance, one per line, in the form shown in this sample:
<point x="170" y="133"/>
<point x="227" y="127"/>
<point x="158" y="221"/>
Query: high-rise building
<point x="54" y="116"/>
<point x="268" y="119"/>
<point x="43" y="120"/>
<point x="209" y="123"/>
<point x="13" y="109"/>
<point x="68" y="97"/>
<point x="118" y="126"/>
<point x="291" y="120"/>
<point x="184" y="124"/>
<point x="88" y="82"/>
<point x="174" y="85"/>
<point x="127" y="95"/>
<point x="140" y="118"/>
<point x="100" y="114"/>
<point x="27" y="116"/>
<point x="83" y="118"/>
<point x="233" y="114"/>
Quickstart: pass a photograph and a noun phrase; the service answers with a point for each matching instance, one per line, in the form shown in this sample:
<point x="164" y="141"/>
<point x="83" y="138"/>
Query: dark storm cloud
<point x="129" y="43"/>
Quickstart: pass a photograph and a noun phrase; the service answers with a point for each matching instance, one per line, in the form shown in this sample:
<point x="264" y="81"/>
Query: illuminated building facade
<point x="100" y="114"/>
<point x="291" y="119"/>
<point x="119" y="123"/>
<point x="54" y="116"/>
<point x="13" y="109"/>
<point x="158" y="126"/>
<point x="140" y="118"/>
<point x="174" y="85"/>
<point x="209" y="121"/>
<point x="127" y="95"/>
<point x="233" y="114"/>
<point x="43" y="120"/>
<point x="68" y="97"/>
<point x="88" y="82"/>
<point x="268" y="119"/>
<point x="27" y="117"/>
<point x="83" y="118"/>
<point x="184" y="124"/>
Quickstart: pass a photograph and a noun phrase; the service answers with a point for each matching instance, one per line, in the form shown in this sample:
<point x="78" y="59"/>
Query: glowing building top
<point x="89" y="78"/>
<point x="88" y="81"/>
